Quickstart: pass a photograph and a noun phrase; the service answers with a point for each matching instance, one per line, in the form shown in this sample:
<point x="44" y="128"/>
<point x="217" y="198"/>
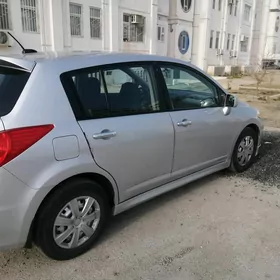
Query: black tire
<point x="235" y="165"/>
<point x="52" y="207"/>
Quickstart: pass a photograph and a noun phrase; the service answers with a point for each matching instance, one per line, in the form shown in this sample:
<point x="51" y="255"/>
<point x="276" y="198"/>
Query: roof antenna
<point x="24" y="51"/>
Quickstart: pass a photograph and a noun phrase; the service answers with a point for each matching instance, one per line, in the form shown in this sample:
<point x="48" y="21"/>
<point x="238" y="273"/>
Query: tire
<point x="71" y="196"/>
<point x="236" y="162"/>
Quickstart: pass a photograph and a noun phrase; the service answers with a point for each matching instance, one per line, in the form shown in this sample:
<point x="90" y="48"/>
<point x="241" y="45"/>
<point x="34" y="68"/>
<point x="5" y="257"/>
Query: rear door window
<point x="113" y="90"/>
<point x="12" y="83"/>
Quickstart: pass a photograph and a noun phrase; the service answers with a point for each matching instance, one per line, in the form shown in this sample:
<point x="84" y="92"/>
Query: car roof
<point x="28" y="61"/>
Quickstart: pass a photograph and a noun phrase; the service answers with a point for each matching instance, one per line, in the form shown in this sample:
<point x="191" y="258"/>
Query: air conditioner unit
<point x="220" y="52"/>
<point x="136" y="19"/>
<point x="242" y="38"/>
<point x="274" y="6"/>
<point x="230" y="2"/>
<point x="4" y="39"/>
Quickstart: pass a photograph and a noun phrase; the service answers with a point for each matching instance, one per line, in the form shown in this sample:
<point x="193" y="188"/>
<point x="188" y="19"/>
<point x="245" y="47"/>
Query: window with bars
<point x="29" y="15"/>
<point x="133" y="32"/>
<point x="95" y="23"/>
<point x="75" y="19"/>
<point x="4" y="15"/>
<point x="214" y="4"/>
<point x="161" y="33"/>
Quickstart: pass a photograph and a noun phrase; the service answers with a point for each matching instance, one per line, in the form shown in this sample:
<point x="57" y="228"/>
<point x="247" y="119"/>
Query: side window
<point x="130" y="90"/>
<point x="189" y="90"/>
<point x="90" y="91"/>
<point x="123" y="89"/>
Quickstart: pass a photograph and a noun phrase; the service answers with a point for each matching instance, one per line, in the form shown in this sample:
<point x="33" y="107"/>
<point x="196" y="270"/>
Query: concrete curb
<point x="271" y="129"/>
<point x="264" y="89"/>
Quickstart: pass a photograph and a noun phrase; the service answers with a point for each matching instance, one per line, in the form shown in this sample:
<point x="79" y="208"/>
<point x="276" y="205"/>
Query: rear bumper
<point x="15" y="218"/>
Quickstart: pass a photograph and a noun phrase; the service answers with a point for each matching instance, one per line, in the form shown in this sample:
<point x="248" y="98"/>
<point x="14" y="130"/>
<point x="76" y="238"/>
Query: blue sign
<point x="183" y="42"/>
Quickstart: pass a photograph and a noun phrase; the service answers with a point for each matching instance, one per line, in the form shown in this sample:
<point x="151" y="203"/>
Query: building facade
<point x="212" y="34"/>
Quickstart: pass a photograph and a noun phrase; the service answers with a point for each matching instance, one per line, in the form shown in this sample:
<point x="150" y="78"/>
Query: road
<point x="222" y="227"/>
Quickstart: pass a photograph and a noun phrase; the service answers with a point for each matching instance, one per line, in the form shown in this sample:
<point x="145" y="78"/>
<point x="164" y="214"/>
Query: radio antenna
<point x="24" y="51"/>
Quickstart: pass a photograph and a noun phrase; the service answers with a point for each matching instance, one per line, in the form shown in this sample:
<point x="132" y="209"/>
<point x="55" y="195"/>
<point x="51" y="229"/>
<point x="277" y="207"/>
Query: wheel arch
<point x="98" y="178"/>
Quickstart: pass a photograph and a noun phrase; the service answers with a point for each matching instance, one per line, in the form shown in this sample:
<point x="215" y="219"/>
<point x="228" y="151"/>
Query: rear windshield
<point x="12" y="82"/>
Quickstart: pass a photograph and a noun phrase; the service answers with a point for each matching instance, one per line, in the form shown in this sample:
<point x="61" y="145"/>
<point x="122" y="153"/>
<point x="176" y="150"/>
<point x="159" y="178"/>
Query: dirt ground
<point x="223" y="227"/>
<point x="217" y="228"/>
<point x="268" y="106"/>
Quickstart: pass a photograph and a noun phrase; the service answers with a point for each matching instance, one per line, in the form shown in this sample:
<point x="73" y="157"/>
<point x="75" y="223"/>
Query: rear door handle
<point x="104" y="135"/>
<point x="184" y="123"/>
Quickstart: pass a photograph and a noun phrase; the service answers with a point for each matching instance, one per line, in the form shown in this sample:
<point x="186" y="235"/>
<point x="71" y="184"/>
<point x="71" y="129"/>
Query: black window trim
<point x="79" y="111"/>
<point x="221" y="93"/>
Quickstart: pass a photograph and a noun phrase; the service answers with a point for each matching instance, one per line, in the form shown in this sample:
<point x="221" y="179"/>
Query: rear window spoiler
<point x="17" y="63"/>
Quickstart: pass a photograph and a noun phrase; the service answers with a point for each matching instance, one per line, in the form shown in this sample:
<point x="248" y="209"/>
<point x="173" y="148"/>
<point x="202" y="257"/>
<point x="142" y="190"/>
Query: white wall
<point x="54" y="33"/>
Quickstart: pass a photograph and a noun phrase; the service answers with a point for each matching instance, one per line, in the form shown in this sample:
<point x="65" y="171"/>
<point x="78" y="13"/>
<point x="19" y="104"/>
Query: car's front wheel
<point x="244" y="151"/>
<point x="72" y="219"/>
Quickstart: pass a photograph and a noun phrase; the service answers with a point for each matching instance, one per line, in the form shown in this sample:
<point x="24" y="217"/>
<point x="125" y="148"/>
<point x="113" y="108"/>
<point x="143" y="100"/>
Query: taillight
<point x="13" y="142"/>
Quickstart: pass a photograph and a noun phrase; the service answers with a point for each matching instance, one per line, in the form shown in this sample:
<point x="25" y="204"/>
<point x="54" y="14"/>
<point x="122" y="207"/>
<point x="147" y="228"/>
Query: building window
<point x="183" y="42"/>
<point x="161" y="33"/>
<point x="75" y="19"/>
<point x="232" y="42"/>
<point x="29" y="15"/>
<point x="186" y="5"/>
<point x="274" y="49"/>
<point x="247" y="12"/>
<point x="220" y="5"/>
<point x="235" y="8"/>
<point x="244" y="44"/>
<point x="211" y="39"/>
<point x="133" y="28"/>
<point x="217" y="40"/>
<point x="228" y="41"/>
<point x="230" y="8"/>
<point x="4" y="15"/>
<point x="277" y="24"/>
<point x="214" y="4"/>
<point x="95" y="23"/>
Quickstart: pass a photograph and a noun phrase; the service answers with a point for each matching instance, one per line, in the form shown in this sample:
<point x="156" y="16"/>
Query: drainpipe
<point x="223" y="30"/>
<point x="252" y="32"/>
<point x="153" y="26"/>
<point x="105" y="27"/>
<point x="201" y="37"/>
<point x="42" y="25"/>
<point x="263" y="35"/>
<point x="237" y="39"/>
<point x="114" y="25"/>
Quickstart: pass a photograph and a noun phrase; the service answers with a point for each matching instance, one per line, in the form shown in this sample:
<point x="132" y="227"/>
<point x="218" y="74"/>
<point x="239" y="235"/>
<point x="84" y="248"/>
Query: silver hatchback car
<point x="84" y="136"/>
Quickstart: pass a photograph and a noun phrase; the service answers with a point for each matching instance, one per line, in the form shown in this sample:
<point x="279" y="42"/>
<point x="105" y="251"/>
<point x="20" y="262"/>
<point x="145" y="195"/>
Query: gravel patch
<point x="266" y="168"/>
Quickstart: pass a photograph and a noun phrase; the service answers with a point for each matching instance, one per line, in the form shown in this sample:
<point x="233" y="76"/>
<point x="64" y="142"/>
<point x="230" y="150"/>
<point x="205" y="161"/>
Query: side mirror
<point x="231" y="101"/>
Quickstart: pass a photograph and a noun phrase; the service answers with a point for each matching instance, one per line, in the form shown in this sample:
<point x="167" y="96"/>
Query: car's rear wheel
<point x="244" y="151"/>
<point x="72" y="219"/>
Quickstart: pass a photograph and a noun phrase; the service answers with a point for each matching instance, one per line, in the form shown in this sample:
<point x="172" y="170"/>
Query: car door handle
<point x="184" y="123"/>
<point x="104" y="135"/>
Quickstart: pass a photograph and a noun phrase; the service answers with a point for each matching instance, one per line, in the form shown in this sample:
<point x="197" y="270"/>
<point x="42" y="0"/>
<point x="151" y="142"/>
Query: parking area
<point x="221" y="227"/>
